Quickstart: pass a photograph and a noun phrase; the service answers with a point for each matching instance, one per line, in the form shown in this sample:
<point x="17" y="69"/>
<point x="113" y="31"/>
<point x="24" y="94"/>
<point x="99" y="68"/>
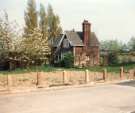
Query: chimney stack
<point x="86" y="32"/>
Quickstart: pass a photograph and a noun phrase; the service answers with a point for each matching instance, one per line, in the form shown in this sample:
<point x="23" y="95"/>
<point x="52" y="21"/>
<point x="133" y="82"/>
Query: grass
<point x="114" y="68"/>
<point x="47" y="68"/>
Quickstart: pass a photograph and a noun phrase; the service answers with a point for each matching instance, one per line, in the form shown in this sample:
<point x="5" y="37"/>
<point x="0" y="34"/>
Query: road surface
<point x="117" y="98"/>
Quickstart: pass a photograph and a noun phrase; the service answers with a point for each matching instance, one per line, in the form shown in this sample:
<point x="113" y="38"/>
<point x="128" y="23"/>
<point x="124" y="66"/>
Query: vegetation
<point x="119" y="53"/>
<point x="31" y="17"/>
<point x="35" y="48"/>
<point x="7" y="37"/>
<point x="48" y="68"/>
<point x="131" y="44"/>
<point x="43" y="23"/>
<point x="113" y="58"/>
<point x="32" y="46"/>
<point x="53" y="23"/>
<point x="112" y="45"/>
<point x="115" y="45"/>
<point x="67" y="61"/>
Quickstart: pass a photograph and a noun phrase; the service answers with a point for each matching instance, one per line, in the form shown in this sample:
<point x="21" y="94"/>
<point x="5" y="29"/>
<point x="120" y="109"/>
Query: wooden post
<point x="65" y="77"/>
<point x="130" y="74"/>
<point x="134" y="74"/>
<point x="121" y="72"/>
<point x="87" y="76"/>
<point x="104" y="74"/>
<point x="38" y="78"/>
<point x="9" y="82"/>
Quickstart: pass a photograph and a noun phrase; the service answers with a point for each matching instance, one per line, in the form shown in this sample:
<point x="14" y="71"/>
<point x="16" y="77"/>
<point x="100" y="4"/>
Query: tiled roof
<point x="94" y="40"/>
<point x="75" y="38"/>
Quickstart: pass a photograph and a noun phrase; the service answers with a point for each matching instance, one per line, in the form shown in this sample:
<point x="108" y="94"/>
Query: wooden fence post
<point x="134" y="74"/>
<point x="38" y="79"/>
<point x="104" y="74"/>
<point x="130" y="74"/>
<point x="9" y="82"/>
<point x="87" y="76"/>
<point x="121" y="72"/>
<point x="65" y="81"/>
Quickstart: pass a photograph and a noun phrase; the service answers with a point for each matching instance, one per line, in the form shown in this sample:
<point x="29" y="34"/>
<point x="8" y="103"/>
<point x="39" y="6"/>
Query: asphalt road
<point x="117" y="98"/>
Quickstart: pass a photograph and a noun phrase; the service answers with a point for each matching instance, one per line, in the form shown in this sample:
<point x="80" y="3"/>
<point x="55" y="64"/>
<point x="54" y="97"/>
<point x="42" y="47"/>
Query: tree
<point x="5" y="34"/>
<point x="31" y="19"/>
<point x="131" y="44"/>
<point x="43" y="24"/>
<point x="112" y="45"/>
<point x="35" y="48"/>
<point x="113" y="58"/>
<point x="54" y="27"/>
<point x="6" y="37"/>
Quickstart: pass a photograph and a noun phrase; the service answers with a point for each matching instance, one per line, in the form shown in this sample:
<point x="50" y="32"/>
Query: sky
<point x="110" y="19"/>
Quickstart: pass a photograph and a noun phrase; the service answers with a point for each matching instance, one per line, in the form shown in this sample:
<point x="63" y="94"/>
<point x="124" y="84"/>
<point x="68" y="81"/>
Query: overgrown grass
<point x="47" y="68"/>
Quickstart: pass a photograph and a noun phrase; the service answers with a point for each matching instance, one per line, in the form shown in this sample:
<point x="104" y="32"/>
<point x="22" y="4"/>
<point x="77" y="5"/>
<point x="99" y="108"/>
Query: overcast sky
<point x="110" y="19"/>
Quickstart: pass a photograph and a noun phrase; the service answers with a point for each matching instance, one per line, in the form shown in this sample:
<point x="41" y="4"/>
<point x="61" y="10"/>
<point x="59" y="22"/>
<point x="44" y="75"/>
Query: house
<point x="84" y="46"/>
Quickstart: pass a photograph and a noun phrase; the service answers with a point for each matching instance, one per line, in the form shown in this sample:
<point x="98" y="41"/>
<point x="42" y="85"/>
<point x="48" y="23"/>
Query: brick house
<point x="83" y="45"/>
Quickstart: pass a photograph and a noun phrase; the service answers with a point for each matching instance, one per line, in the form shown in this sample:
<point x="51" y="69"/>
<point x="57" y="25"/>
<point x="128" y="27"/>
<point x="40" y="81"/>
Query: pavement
<point x="108" y="98"/>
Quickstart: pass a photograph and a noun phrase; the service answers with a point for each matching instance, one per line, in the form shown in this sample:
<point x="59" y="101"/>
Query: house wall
<point x="77" y="51"/>
<point x="94" y="55"/>
<point x="86" y="56"/>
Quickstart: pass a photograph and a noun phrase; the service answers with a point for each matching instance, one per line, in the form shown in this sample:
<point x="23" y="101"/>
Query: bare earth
<point x="117" y="98"/>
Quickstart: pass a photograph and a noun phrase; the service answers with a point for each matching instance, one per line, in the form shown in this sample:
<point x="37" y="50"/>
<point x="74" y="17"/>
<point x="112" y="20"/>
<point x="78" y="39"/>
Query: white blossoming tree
<point x="35" y="48"/>
<point x="6" y="37"/>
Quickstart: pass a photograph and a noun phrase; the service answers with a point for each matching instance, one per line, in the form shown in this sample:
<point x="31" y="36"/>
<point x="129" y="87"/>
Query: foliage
<point x="43" y="23"/>
<point x="113" y="58"/>
<point x="68" y="60"/>
<point x="5" y="34"/>
<point x="31" y="17"/>
<point x="8" y="35"/>
<point x="35" y="48"/>
<point x="117" y="51"/>
<point x="112" y="45"/>
<point x="131" y="44"/>
<point x="53" y="23"/>
<point x="29" y="45"/>
<point x="126" y="58"/>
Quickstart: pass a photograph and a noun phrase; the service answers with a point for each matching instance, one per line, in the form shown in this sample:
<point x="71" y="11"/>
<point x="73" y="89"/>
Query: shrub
<point x="67" y="61"/>
<point x="113" y="58"/>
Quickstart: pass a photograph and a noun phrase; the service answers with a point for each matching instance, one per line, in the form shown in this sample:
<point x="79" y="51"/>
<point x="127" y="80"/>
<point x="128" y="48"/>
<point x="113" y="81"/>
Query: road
<point x="114" y="98"/>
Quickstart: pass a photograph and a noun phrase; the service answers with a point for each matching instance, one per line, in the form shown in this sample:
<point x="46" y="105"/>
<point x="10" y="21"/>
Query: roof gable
<point x="75" y="39"/>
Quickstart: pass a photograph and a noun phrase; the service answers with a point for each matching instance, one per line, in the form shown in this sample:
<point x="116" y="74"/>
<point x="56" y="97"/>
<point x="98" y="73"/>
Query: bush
<point x="113" y="58"/>
<point x="67" y="61"/>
